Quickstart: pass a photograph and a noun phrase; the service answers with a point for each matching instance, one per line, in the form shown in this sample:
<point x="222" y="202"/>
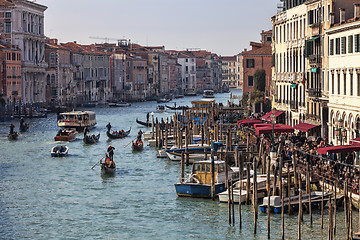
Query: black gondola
<point x="138" y="146"/>
<point x="146" y="124"/>
<point x="24" y="127"/>
<point x="119" y="135"/>
<point x="91" y="139"/>
<point x="13" y="136"/>
<point x="105" y="169"/>
<point x="177" y="108"/>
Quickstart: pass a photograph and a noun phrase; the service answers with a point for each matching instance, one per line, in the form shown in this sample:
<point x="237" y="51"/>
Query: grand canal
<point x="62" y="198"/>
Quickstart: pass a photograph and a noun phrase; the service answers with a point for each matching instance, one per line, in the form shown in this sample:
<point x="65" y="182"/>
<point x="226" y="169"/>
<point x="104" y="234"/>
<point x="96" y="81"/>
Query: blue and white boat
<point x="60" y="151"/>
<point x="198" y="183"/>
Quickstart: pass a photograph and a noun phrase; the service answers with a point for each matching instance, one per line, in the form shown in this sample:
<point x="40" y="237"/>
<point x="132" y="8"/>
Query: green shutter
<point x="357" y="43"/>
<point x="343" y="43"/>
<point x="350" y="44"/>
<point x="331" y="47"/>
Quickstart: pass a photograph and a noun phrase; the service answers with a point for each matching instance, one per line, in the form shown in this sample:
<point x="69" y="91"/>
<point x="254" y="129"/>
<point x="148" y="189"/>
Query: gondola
<point x="91" y="139"/>
<point x="13" y="136"/>
<point x="105" y="169"/>
<point x="60" y="151"/>
<point x="177" y="108"/>
<point x="149" y="124"/>
<point x="24" y="127"/>
<point x="119" y="135"/>
<point x="138" y="146"/>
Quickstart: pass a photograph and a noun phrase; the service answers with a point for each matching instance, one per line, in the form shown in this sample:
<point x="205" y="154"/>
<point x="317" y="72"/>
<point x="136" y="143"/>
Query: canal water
<point x="62" y="198"/>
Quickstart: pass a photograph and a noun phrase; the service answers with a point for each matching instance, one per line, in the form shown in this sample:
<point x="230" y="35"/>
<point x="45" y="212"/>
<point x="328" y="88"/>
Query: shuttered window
<point x="350" y="44"/>
<point x="331" y="47"/>
<point x="343" y="45"/>
<point x="357" y="43"/>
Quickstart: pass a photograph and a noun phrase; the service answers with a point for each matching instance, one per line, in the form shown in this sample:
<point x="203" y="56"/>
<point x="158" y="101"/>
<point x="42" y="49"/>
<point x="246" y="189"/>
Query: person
<point x="139" y="135"/>
<point x="110" y="151"/>
<point x="12" y="128"/>
<point x="147" y="117"/>
<point x="108" y="126"/>
<point x="86" y="130"/>
<point x="21" y="121"/>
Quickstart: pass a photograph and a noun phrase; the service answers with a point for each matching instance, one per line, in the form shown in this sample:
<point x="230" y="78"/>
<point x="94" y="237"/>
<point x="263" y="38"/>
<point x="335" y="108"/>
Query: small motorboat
<point x="118" y="134"/>
<point x="160" y="108"/>
<point x="177" y="108"/>
<point x="91" y="139"/>
<point x="138" y="145"/>
<point x="13" y="136"/>
<point x="146" y="124"/>
<point x="65" y="135"/>
<point x="60" y="151"/>
<point x="108" y="167"/>
<point x="119" y="104"/>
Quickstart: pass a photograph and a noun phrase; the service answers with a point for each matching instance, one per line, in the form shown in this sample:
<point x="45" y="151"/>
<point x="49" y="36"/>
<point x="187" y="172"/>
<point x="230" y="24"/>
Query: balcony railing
<point x="314" y="92"/>
<point x="314" y="59"/>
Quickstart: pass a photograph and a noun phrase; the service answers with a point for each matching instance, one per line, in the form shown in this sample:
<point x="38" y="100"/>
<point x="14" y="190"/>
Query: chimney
<point x="332" y="18"/>
<point x="342" y="15"/>
<point x="356" y="10"/>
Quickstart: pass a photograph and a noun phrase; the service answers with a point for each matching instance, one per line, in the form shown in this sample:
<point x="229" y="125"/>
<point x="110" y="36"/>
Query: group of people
<point x="109" y="160"/>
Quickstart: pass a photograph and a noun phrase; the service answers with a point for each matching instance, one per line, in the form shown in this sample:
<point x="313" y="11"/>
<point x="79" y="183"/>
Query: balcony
<point x="315" y="29"/>
<point x="315" y="60"/>
<point x="314" y="92"/>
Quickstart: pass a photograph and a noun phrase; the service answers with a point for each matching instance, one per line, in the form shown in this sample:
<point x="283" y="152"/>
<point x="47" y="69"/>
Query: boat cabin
<point x="208" y="94"/>
<point x="202" y="171"/>
<point x="77" y="119"/>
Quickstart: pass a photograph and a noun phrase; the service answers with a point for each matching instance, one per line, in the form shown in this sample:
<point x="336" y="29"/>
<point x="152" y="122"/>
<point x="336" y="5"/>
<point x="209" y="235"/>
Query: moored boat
<point x="118" y="134"/>
<point x="160" y="108"/>
<point x="198" y="184"/>
<point x="77" y="119"/>
<point x="146" y="124"/>
<point x="59" y="151"/>
<point x="65" y="135"/>
<point x="177" y="108"/>
<point x="91" y="139"/>
<point x="138" y="145"/>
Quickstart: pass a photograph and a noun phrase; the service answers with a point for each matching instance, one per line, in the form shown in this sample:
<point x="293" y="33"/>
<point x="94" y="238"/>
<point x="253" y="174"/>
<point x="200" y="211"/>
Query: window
<point x="52" y="58"/>
<point x="358" y="84"/>
<point x="186" y="69"/>
<point x="250" y="63"/>
<point x="186" y="60"/>
<point x="8" y="15"/>
<point x="338" y="83"/>
<point x="343" y="45"/>
<point x="350" y="44"/>
<point x="8" y="27"/>
<point x="331" y="47"/>
<point x="250" y="81"/>
<point x="337" y="46"/>
<point x="357" y="43"/>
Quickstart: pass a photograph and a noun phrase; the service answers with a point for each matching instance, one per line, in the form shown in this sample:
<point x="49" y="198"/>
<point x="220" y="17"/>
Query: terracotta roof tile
<point x="6" y="3"/>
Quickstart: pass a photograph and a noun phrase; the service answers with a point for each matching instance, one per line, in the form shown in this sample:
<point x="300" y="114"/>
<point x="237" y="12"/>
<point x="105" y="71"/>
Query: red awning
<point x="278" y="128"/>
<point x="305" y="127"/>
<point x="267" y="117"/>
<point x="249" y="122"/>
<point x="339" y="149"/>
<point x="262" y="125"/>
<point x="355" y="141"/>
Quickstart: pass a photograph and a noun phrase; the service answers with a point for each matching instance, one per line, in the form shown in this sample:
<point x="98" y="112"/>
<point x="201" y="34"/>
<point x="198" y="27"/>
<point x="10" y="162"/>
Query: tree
<point x="260" y="80"/>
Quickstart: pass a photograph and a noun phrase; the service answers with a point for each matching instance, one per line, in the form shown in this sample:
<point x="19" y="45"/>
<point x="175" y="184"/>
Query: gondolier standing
<point x="110" y="151"/>
<point x="108" y="126"/>
<point x="139" y="135"/>
<point x="12" y="128"/>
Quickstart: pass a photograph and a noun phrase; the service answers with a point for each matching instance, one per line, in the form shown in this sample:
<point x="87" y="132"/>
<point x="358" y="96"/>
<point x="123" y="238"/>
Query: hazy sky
<point x="224" y="27"/>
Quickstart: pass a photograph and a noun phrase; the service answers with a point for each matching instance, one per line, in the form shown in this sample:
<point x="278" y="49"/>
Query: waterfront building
<point x="136" y="84"/>
<point x="10" y="75"/>
<point x="229" y="76"/>
<point x="118" y="76"/>
<point x="188" y="71"/>
<point x="344" y="76"/>
<point x="258" y="58"/>
<point x="23" y="26"/>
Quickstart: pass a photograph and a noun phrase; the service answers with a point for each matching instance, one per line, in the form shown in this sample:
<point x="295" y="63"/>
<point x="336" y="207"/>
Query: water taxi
<point x="208" y="94"/>
<point x="77" y="119"/>
<point x="198" y="184"/>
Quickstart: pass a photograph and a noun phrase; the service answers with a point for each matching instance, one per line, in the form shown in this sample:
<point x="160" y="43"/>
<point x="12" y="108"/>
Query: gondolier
<point x="12" y="128"/>
<point x="139" y="135"/>
<point x="110" y="152"/>
<point x="108" y="126"/>
<point x="147" y="117"/>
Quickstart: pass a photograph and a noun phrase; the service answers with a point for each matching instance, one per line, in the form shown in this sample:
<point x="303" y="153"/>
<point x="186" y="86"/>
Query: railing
<point x="294" y="105"/>
<point x="314" y="92"/>
<point x="314" y="59"/>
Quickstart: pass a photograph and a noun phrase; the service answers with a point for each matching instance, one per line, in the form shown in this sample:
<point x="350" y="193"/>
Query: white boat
<point x="119" y="104"/>
<point x="60" y="151"/>
<point x="77" y="119"/>
<point x="193" y="157"/>
<point x="261" y="186"/>
<point x="208" y="94"/>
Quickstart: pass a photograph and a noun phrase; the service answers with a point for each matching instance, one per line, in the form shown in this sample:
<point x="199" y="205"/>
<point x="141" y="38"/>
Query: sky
<point x="223" y="27"/>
